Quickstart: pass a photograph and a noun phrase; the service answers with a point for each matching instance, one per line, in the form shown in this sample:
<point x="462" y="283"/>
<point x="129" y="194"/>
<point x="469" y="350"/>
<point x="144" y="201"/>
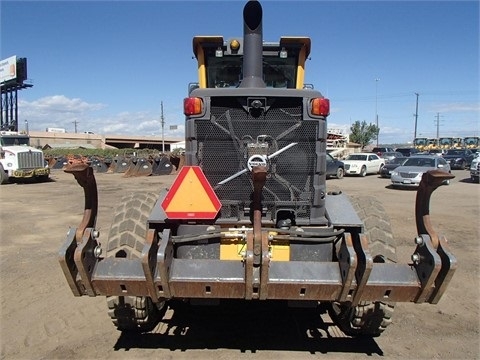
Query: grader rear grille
<point x="232" y="135"/>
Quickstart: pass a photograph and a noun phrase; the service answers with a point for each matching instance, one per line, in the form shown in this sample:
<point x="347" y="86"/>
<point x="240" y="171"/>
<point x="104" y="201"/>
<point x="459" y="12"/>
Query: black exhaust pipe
<point x="252" y="46"/>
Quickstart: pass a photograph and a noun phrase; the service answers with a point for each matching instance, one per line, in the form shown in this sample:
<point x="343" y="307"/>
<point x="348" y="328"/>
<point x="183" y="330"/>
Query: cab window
<point x="226" y="71"/>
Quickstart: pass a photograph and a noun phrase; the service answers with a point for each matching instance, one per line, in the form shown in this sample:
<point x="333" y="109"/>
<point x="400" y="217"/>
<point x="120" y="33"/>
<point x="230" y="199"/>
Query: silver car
<point x="410" y="173"/>
<point x="389" y="156"/>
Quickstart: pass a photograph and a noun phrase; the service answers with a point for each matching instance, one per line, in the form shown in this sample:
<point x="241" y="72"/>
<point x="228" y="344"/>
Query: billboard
<point x="8" y="69"/>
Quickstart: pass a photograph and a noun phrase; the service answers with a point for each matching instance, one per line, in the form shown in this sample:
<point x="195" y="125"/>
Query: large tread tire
<point x="126" y="239"/>
<point x="369" y="318"/>
<point x="134" y="313"/>
<point x="377" y="227"/>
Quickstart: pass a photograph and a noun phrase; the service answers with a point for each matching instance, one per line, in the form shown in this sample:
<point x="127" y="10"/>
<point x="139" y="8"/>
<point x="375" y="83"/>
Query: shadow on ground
<point x="248" y="327"/>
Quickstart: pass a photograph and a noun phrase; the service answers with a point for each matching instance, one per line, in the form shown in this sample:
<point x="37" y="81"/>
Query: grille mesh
<point x="30" y="160"/>
<point x="231" y="136"/>
<point x="408" y="175"/>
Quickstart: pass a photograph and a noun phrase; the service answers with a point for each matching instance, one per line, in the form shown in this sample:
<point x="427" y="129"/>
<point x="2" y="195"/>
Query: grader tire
<point x="126" y="240"/>
<point x="369" y="318"/>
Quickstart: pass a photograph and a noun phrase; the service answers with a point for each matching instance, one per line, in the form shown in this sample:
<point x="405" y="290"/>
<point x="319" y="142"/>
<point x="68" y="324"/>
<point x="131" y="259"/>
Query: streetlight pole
<point x="162" y="120"/>
<point x="376" y="107"/>
<point x="438" y="125"/>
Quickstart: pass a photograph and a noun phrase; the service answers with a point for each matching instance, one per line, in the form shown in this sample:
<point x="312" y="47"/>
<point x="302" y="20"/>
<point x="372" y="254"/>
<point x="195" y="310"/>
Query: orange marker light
<point x="192" y="106"/>
<point x="320" y="106"/>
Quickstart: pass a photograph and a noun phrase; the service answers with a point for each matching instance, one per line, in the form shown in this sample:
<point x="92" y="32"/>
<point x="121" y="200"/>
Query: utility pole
<point x="438" y="125"/>
<point x="376" y="112"/>
<point x="75" y="124"/>
<point x="162" y="121"/>
<point x="416" y="117"/>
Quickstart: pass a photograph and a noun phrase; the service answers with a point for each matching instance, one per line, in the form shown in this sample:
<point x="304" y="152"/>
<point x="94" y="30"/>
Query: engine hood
<point x="15" y="149"/>
<point x="418" y="169"/>
<point x="454" y="156"/>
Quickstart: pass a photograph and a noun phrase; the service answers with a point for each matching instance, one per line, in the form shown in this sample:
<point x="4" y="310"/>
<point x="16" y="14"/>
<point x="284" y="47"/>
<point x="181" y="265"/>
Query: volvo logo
<point x="256" y="160"/>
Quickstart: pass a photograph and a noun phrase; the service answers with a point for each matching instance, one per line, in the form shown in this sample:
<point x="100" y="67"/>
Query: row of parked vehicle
<point x="404" y="166"/>
<point x="457" y="158"/>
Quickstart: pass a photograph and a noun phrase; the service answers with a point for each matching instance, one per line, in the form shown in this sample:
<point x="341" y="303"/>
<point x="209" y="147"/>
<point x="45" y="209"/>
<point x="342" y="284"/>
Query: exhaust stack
<point x="252" y="46"/>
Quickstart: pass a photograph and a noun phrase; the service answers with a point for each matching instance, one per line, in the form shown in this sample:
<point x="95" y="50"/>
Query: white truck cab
<point x="18" y="159"/>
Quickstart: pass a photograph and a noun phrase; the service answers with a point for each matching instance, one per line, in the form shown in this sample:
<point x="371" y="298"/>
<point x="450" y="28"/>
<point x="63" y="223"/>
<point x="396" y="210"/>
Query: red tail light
<point x="320" y="106"/>
<point x="192" y="106"/>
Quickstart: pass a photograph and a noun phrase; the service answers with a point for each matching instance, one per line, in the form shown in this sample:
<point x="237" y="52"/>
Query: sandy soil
<point x="41" y="319"/>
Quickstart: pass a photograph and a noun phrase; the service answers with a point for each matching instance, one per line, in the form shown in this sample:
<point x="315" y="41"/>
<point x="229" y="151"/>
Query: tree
<point x="363" y="134"/>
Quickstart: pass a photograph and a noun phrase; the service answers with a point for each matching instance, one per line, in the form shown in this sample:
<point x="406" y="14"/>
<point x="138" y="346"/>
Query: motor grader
<point x="249" y="216"/>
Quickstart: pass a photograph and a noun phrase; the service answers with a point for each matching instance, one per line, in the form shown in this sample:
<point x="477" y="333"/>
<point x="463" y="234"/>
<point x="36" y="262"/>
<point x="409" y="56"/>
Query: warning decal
<point x="191" y="196"/>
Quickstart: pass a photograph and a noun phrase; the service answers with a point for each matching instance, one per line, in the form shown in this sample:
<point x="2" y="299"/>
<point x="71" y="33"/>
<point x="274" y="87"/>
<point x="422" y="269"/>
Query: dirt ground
<point x="41" y="319"/>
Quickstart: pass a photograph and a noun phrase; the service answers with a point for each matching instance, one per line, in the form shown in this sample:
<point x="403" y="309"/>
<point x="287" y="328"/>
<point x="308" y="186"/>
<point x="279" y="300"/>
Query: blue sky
<point x="108" y="65"/>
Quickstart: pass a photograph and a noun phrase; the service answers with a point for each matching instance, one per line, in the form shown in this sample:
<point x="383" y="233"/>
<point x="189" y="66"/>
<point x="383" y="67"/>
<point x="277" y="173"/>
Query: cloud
<point x="74" y="114"/>
<point x="456" y="107"/>
<point x="135" y="123"/>
<point x="60" y="104"/>
<point x="56" y="111"/>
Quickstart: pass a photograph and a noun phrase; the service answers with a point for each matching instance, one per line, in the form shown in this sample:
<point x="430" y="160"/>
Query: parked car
<point x="438" y="152"/>
<point x="459" y="158"/>
<point x="407" y="151"/>
<point x="335" y="168"/>
<point x="390" y="155"/>
<point x="475" y="169"/>
<point x="410" y="173"/>
<point x="390" y="165"/>
<point x="363" y="164"/>
<point x="380" y="150"/>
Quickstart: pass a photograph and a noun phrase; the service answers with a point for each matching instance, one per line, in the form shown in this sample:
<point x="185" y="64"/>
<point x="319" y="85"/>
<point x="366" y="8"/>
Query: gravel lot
<point x="41" y="319"/>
